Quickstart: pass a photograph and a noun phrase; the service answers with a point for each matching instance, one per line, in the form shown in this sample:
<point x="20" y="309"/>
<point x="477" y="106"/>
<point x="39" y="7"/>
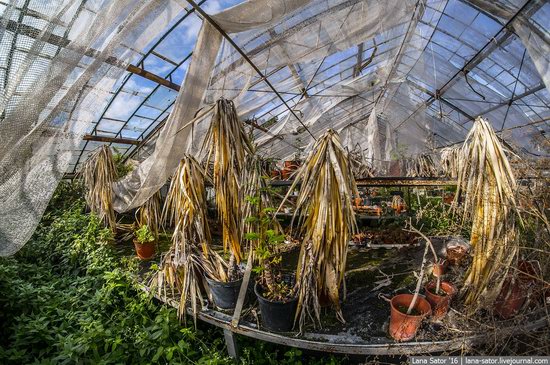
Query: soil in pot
<point x="440" y="301"/>
<point x="225" y="295"/>
<point x="145" y="250"/>
<point x="403" y="326"/>
<point x="277" y="316"/>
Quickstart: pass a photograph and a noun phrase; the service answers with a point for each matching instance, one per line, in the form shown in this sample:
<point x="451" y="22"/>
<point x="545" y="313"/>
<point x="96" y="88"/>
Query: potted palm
<point x="326" y="220"/>
<point x="190" y="257"/>
<point x="226" y="146"/>
<point x="144" y="242"/>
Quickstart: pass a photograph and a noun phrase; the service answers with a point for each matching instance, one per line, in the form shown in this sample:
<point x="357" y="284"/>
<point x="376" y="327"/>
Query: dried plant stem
<point x="99" y="173"/>
<point x="326" y="218"/>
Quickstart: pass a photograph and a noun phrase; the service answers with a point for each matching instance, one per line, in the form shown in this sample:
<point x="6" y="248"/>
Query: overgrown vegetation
<point x="68" y="298"/>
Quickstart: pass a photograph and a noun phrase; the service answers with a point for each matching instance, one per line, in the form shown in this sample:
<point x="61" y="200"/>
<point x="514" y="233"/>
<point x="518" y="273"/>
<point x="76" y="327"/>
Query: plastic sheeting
<point x="51" y="92"/>
<point x="318" y="31"/>
<point x="423" y="68"/>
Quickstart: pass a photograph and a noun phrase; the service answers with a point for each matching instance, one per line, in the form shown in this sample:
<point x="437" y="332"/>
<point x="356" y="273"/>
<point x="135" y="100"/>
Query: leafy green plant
<point x="69" y="297"/>
<point x="144" y="235"/>
<point x="262" y="231"/>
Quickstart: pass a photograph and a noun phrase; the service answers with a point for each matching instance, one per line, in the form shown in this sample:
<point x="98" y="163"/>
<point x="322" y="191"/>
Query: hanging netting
<point x="53" y="84"/>
<point x="398" y="78"/>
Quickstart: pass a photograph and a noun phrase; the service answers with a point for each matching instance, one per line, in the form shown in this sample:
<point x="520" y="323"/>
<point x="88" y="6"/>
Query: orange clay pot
<point x="440" y="303"/>
<point x="511" y="298"/>
<point x="455" y="255"/>
<point x="439" y="269"/>
<point x="403" y="327"/>
<point x="145" y="250"/>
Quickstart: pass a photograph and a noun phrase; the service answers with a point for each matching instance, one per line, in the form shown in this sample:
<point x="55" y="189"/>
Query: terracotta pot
<point x="145" y="250"/>
<point x="440" y="303"/>
<point x="439" y="269"/>
<point x="403" y="327"/>
<point x="455" y="255"/>
<point x="511" y="298"/>
<point x="448" y="199"/>
<point x="292" y="165"/>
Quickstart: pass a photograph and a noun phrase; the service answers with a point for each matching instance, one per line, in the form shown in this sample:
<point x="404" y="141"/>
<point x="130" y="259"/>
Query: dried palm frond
<point x="327" y="222"/>
<point x="421" y="166"/>
<point x="150" y="214"/>
<point x="360" y="167"/>
<point x="99" y="173"/>
<point x="487" y="183"/>
<point x="227" y="145"/>
<point x="190" y="256"/>
<point x="450" y="161"/>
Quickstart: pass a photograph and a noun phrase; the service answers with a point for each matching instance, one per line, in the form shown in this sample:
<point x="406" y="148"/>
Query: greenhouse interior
<point x="273" y="181"/>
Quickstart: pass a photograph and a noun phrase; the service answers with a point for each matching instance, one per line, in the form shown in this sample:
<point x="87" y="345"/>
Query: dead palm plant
<point x="450" y="161"/>
<point x="421" y="166"/>
<point x="359" y="165"/>
<point x="99" y="172"/>
<point x="150" y="214"/>
<point x="226" y="144"/>
<point x="190" y="255"/>
<point x="326" y="219"/>
<point x="488" y="185"/>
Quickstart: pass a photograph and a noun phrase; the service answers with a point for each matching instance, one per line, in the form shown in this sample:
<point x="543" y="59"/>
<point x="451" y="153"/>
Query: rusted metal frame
<point x="163" y="57"/>
<point x="134" y="112"/>
<point x="246" y="58"/>
<point x="152" y="77"/>
<point x="90" y="137"/>
<point x="389" y="181"/>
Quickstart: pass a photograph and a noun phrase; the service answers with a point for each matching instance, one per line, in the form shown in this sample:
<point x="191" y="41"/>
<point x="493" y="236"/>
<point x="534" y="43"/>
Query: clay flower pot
<point x="440" y="303"/>
<point x="511" y="298"/>
<point x="439" y="269"/>
<point x="455" y="255"/>
<point x="145" y="250"/>
<point x="403" y="326"/>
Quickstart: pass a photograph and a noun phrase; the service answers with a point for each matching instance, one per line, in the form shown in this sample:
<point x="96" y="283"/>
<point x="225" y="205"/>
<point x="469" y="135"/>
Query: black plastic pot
<point x="225" y="295"/>
<point x="276" y="316"/>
